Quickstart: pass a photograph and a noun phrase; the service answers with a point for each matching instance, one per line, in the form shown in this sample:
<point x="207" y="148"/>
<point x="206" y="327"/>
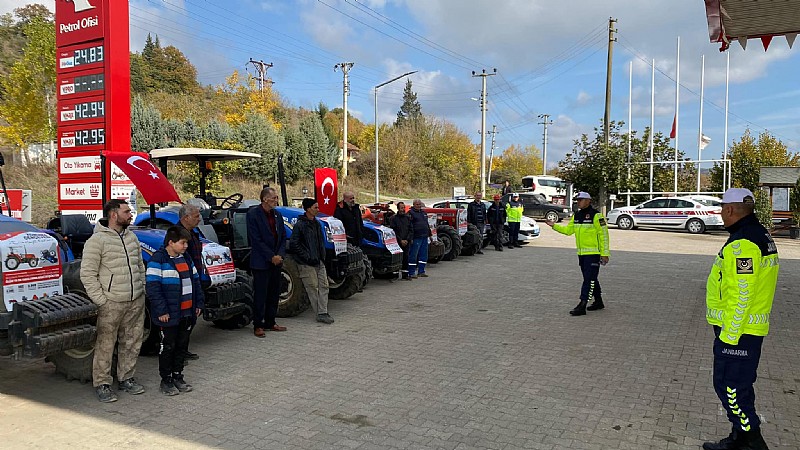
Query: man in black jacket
<point x="403" y="229"/>
<point x="349" y="212"/>
<point x="268" y="243"/>
<point x="497" y="219"/>
<point x="476" y="215"/>
<point x="307" y="248"/>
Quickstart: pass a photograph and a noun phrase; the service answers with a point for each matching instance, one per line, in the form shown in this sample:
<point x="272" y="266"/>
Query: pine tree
<point x="410" y="111"/>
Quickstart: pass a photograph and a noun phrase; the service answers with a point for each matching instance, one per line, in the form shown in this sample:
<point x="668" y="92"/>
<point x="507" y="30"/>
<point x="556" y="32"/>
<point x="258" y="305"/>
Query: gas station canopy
<point x="740" y="20"/>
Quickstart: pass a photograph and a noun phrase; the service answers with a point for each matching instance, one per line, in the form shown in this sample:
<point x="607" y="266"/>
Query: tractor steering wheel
<point x="233" y="200"/>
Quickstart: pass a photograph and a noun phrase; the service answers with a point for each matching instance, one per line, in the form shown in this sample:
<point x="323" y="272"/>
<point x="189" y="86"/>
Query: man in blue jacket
<point x="267" y="249"/>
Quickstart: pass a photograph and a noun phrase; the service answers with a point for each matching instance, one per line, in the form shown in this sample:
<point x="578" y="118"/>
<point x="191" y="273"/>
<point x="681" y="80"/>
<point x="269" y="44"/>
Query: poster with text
<point x="31" y="267"/>
<point x="219" y="264"/>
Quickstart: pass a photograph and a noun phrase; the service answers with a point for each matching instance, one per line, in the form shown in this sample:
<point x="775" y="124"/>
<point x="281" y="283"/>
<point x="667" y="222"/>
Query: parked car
<point x="535" y="205"/>
<point x="528" y="228"/>
<point x="668" y="212"/>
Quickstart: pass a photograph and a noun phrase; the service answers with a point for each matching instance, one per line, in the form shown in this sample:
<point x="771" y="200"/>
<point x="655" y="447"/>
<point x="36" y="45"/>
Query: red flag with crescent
<point x="151" y="183"/>
<point x="326" y="189"/>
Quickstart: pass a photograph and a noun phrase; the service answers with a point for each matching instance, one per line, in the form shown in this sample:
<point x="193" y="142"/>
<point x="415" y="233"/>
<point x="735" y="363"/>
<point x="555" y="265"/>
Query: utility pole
<point x="345" y="66"/>
<point x="544" y="122"/>
<point x="262" y="68"/>
<point x="491" y="153"/>
<point x="483" y="76"/>
<point x="607" y="117"/>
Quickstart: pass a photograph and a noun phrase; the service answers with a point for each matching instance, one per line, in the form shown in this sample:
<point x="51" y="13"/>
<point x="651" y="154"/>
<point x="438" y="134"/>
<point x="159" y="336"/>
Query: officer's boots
<point x="579" y="310"/>
<point x="596" y="305"/>
<point x="739" y="440"/>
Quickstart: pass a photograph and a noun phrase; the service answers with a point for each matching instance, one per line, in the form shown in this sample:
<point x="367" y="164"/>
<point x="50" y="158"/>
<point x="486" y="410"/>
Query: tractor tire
<point x="76" y="364"/>
<point x="368" y="274"/>
<point x="293" y="299"/>
<point x="451" y="240"/>
<point x="476" y="237"/>
<point x="243" y="319"/>
<point x="347" y="288"/>
<point x="438" y="258"/>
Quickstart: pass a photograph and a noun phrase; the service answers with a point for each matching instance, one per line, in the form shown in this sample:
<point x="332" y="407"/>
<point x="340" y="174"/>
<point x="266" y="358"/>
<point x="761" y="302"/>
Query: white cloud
<point x="583" y="99"/>
<point x="8" y="6"/>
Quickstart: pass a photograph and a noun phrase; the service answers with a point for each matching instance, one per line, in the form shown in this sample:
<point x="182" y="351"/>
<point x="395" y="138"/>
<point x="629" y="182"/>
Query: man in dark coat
<point x="404" y="230"/>
<point x="476" y="215"/>
<point x="268" y="248"/>
<point x="349" y="212"/>
<point x="497" y="219"/>
<point x="307" y="249"/>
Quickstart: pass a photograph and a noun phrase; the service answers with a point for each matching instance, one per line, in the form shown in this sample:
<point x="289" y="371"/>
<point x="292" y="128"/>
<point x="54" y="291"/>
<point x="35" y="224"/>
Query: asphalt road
<point x="480" y="355"/>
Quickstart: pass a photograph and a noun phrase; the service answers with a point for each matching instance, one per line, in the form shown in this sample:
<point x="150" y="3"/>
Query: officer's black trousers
<point x="590" y="267"/>
<point x="735" y="368"/>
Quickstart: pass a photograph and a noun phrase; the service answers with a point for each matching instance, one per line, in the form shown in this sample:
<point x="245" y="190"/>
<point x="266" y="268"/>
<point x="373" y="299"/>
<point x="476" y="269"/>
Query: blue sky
<point x="550" y="57"/>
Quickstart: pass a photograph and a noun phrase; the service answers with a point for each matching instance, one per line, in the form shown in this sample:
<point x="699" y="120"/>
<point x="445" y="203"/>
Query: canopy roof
<point x="196" y="154"/>
<point x="740" y="20"/>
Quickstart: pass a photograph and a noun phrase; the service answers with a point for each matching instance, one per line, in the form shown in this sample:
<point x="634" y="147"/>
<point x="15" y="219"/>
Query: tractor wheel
<point x="368" y="274"/>
<point x="438" y="258"/>
<point x="452" y="241"/>
<point x="76" y="363"/>
<point x="473" y="235"/>
<point x="293" y="299"/>
<point x="242" y="320"/>
<point x="12" y="263"/>
<point x="33" y="262"/>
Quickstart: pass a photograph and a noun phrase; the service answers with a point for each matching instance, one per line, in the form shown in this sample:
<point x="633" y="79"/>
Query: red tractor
<point x="381" y="213"/>
<point x="13" y="259"/>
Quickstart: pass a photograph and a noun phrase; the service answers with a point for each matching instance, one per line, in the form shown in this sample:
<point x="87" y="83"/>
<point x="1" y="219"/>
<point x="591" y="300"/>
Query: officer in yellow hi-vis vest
<point x="739" y="295"/>
<point x="591" y="237"/>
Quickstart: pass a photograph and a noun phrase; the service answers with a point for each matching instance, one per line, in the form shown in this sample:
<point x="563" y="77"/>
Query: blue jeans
<point x="418" y="256"/>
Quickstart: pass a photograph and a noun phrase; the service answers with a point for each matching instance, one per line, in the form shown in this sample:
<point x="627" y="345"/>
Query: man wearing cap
<point x="476" y="215"/>
<point x="514" y="216"/>
<point x="307" y="248"/>
<point x="497" y="218"/>
<point x="739" y="295"/>
<point x="591" y="238"/>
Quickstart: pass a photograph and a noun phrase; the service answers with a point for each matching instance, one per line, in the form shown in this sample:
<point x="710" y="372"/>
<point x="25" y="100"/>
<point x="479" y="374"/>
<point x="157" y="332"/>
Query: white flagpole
<point x="726" y="176"/>
<point x="677" y="106"/>
<point x="700" y="136"/>
<point x="652" y="122"/>
<point x="630" y="129"/>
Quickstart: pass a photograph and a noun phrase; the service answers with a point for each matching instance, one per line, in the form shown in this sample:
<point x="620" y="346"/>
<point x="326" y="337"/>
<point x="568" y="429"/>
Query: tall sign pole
<point x="345" y="66"/>
<point x="93" y="102"/>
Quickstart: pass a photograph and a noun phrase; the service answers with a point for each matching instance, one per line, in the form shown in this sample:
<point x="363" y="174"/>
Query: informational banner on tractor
<point x="31" y="267"/>
<point x="219" y="264"/>
<point x="390" y="240"/>
<point x="338" y="233"/>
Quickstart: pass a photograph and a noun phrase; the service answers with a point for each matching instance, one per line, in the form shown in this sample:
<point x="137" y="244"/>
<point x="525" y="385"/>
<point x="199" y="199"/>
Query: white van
<point x="553" y="188"/>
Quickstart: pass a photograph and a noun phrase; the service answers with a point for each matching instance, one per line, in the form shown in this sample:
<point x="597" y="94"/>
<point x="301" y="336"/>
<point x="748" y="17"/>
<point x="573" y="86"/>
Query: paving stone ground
<point x="480" y="355"/>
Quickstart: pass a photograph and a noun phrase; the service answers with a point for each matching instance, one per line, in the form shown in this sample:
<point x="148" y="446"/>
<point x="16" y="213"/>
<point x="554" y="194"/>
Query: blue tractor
<point x="224" y="222"/>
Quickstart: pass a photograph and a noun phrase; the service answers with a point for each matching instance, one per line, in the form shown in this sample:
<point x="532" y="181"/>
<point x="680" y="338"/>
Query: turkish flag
<point x="326" y="189"/>
<point x="153" y="185"/>
<point x="674" y="127"/>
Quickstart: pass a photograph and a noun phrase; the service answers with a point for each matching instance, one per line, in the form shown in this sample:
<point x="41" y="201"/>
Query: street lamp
<point x="377" y="198"/>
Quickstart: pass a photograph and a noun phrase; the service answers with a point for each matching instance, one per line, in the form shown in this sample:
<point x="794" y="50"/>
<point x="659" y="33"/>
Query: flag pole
<point x="726" y="176"/>
<point x="677" y="106"/>
<point x="700" y="132"/>
<point x="652" y="122"/>
<point x="630" y="129"/>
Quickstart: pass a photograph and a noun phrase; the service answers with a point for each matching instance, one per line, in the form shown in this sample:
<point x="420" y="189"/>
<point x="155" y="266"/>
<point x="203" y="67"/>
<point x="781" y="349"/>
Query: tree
<point x="410" y="111"/>
<point x="320" y="151"/>
<point x="516" y="162"/>
<point x="257" y="135"/>
<point x="296" y="158"/>
<point x="159" y="69"/>
<point x="147" y="128"/>
<point x="593" y="168"/>
<point x="748" y="155"/>
<point x="27" y="93"/>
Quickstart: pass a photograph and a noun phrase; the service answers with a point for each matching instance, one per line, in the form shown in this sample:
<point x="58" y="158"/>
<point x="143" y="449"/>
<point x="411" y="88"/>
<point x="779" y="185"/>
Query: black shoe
<point x="131" y="386"/>
<point x="190" y="355"/>
<point x="479" y="252"/>
<point x="518" y="245"/>
<point x="754" y="441"/>
<point x="510" y="247"/>
<point x="329" y="317"/>
<point x="168" y="388"/>
<point x="105" y="394"/>
<point x="579" y="310"/>
<point x="596" y="305"/>
<point x="732" y="442"/>
<point x="180" y="384"/>
<point x="499" y="249"/>
<point x="324" y="318"/>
